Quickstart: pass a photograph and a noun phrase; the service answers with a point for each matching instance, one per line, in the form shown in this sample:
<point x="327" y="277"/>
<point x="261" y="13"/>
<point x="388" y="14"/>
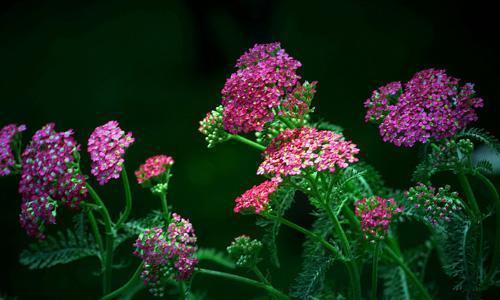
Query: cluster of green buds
<point x="451" y="152"/>
<point x="213" y="128"/>
<point x="245" y="251"/>
<point x="434" y="205"/>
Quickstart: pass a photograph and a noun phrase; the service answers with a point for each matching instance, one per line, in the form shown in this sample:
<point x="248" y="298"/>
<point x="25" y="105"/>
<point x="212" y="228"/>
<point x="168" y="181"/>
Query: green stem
<point x="375" y="271"/>
<point x="464" y="182"/>
<point x="124" y="288"/>
<point x="246" y="141"/>
<point x="259" y="275"/>
<point x="287" y="122"/>
<point x="110" y="235"/>
<point x="128" y="199"/>
<point x="244" y="280"/>
<point x="164" y="206"/>
<point x="411" y="275"/>
<point x="351" y="266"/>
<point x="95" y="230"/>
<point x="304" y="231"/>
<point x="496" y="251"/>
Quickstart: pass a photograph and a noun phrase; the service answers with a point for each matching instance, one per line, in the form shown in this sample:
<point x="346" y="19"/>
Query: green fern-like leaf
<point x="482" y="136"/>
<point x="135" y="227"/>
<point x="215" y="256"/>
<point x="325" y="125"/>
<point x="62" y="248"/>
<point x="280" y="203"/>
<point x="396" y="286"/>
<point x="484" y="166"/>
<point x="456" y="244"/>
<point x="309" y="283"/>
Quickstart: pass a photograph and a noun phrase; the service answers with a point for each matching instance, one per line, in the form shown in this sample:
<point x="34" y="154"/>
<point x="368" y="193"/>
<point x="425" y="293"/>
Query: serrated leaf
<point x="482" y="136"/>
<point x="63" y="248"/>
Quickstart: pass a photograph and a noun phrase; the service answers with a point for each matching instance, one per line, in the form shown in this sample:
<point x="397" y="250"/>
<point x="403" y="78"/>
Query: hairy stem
<point x="496" y="251"/>
<point x="110" y="235"/>
<point x="128" y="285"/>
<point x="375" y="271"/>
<point x="244" y="280"/>
<point x="248" y="142"/>
<point x="397" y="258"/>
<point x="128" y="199"/>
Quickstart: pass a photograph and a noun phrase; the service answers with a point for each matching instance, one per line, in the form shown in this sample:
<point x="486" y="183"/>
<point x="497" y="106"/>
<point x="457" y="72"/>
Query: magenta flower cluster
<point x="169" y="253"/>
<point x="435" y="205"/>
<point x="295" y="150"/>
<point x="432" y="105"/>
<point x="265" y="75"/>
<point x="256" y="199"/>
<point x="107" y="145"/>
<point x="50" y="173"/>
<point x="153" y="167"/>
<point x="7" y="135"/>
<point x="376" y="214"/>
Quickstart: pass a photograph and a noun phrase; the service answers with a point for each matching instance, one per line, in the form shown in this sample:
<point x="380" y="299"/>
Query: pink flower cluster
<point x="266" y="74"/>
<point x="256" y="199"/>
<point x="167" y="253"/>
<point x="50" y="173"/>
<point x="107" y="145"/>
<point x="434" y="205"/>
<point x="378" y="104"/>
<point x="7" y="135"/>
<point x="432" y="105"/>
<point x="295" y="150"/>
<point x="153" y="167"/>
<point x="376" y="214"/>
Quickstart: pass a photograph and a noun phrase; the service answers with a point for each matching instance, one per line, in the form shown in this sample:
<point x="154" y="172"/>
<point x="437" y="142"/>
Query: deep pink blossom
<point x="153" y="167"/>
<point x="50" y="174"/>
<point x="7" y="135"/>
<point x="107" y="145"/>
<point x="376" y="215"/>
<point x="256" y="199"/>
<point x="295" y="150"/>
<point x="432" y="105"/>
<point x="266" y="74"/>
<point x="167" y="253"/>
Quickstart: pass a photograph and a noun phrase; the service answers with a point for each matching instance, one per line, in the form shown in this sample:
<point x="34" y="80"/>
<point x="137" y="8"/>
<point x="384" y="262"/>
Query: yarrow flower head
<point x="435" y="205"/>
<point x="245" y="251"/>
<point x="9" y="135"/>
<point x="432" y="105"/>
<point x="266" y="74"/>
<point x="256" y="199"/>
<point x="167" y="253"/>
<point x="154" y="168"/>
<point x="50" y="174"/>
<point x="378" y="104"/>
<point x="212" y="127"/>
<point x="295" y="150"/>
<point x="107" y="145"/>
<point x="376" y="214"/>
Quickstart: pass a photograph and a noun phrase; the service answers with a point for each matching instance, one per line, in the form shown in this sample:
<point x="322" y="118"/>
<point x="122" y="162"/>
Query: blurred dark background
<point x="159" y="66"/>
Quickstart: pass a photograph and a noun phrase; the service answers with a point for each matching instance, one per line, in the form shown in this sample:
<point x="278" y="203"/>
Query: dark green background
<point x="158" y="67"/>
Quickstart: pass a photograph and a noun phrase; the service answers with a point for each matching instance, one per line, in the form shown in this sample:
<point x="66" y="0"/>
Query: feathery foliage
<point x="281" y="201"/>
<point x="61" y="248"/>
<point x="482" y="136"/>
<point x="309" y="283"/>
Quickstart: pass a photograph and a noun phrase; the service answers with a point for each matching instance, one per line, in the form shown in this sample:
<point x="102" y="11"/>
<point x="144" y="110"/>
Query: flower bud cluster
<point x="245" y="251"/>
<point x="212" y="127"/>
<point x="8" y="136"/>
<point x="436" y="206"/>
